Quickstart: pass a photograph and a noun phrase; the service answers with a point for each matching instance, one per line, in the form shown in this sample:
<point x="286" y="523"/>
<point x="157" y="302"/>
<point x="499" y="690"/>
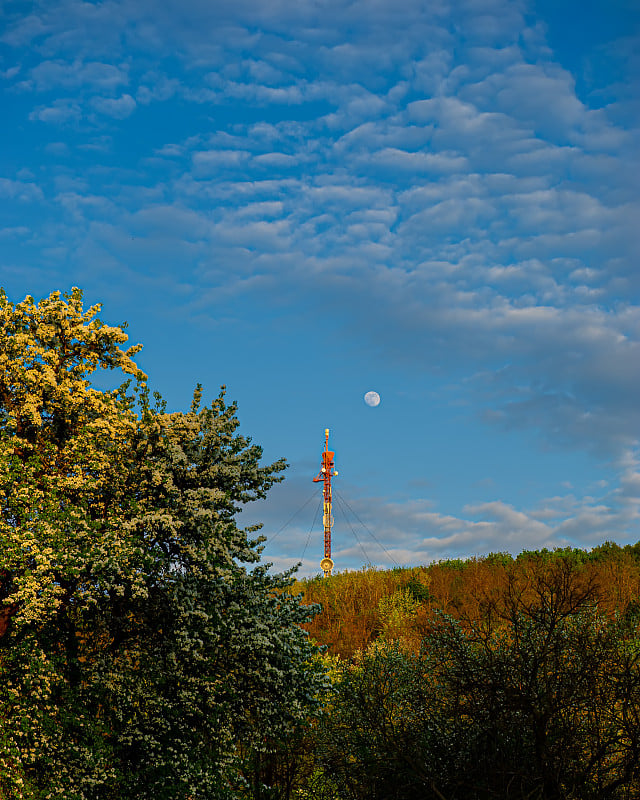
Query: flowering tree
<point x="136" y="647"/>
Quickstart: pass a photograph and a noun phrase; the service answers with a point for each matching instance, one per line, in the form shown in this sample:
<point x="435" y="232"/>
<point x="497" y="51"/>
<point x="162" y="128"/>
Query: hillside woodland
<point x="493" y="677"/>
<point x="147" y="654"/>
<point x="359" y="608"/>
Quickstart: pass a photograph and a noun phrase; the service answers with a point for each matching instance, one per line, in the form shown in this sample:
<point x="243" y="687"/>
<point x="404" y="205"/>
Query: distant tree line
<point x="358" y="607"/>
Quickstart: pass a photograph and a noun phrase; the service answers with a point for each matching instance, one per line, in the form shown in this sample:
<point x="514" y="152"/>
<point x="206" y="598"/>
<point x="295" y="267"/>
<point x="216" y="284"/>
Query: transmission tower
<point x="327" y="470"/>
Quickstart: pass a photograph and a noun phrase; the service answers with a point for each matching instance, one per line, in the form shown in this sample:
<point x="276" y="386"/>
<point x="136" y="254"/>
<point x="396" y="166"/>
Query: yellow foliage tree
<point x="65" y="463"/>
<point x="64" y="452"/>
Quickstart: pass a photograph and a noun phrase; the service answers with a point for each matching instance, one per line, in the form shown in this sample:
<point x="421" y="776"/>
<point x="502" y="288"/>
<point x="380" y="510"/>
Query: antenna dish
<point x="326" y="565"/>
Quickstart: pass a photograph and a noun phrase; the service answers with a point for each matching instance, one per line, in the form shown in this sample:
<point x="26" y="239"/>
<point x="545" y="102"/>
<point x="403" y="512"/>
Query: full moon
<point x="372" y="399"/>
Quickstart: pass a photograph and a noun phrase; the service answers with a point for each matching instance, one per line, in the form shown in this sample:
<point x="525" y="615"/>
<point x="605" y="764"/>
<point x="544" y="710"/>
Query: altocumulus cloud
<point x="435" y="162"/>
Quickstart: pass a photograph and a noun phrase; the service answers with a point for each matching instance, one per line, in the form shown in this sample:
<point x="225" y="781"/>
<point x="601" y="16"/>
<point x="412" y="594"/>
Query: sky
<point x="304" y="201"/>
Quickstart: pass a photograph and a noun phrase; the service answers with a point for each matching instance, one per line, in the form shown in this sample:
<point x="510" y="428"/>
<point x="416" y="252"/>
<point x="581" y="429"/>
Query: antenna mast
<point x="326" y="472"/>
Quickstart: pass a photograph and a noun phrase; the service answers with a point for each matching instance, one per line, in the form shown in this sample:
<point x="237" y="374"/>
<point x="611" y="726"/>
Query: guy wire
<point x="367" y="529"/>
<point x="311" y="530"/>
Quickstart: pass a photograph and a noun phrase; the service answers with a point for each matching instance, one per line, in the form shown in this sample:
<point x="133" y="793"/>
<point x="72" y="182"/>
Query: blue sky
<point x="305" y="201"/>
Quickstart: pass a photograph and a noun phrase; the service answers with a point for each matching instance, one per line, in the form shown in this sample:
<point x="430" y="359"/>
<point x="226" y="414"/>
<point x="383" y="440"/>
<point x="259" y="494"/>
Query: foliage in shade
<point x="539" y="698"/>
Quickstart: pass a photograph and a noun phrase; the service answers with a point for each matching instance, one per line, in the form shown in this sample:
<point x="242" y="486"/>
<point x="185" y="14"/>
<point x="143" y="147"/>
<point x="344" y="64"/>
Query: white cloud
<point x="14" y="232"/>
<point x="276" y="160"/>
<point x="116" y="107"/>
<point x="157" y="87"/>
<point x="393" y="158"/>
<point x="60" y="112"/>
<point x="210" y="161"/>
<point x="541" y="96"/>
<point x="57" y="74"/>
<point x="23" y="191"/>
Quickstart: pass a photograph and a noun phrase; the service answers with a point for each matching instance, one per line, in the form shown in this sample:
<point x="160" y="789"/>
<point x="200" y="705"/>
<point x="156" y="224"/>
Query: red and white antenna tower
<point x="327" y="470"/>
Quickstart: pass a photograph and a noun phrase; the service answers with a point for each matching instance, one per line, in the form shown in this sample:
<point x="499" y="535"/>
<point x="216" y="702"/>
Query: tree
<point x="552" y="686"/>
<point x="539" y="700"/>
<point x="390" y="733"/>
<point x="137" y="647"/>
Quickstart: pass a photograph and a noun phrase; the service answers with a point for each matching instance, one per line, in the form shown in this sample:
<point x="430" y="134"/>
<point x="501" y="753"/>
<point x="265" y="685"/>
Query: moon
<point x="372" y="399"/>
